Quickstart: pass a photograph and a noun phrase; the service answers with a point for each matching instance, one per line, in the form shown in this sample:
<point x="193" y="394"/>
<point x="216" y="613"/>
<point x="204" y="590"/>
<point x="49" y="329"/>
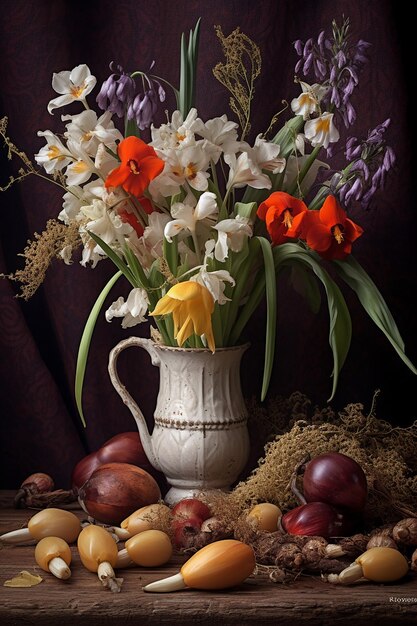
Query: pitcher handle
<point x="149" y="346"/>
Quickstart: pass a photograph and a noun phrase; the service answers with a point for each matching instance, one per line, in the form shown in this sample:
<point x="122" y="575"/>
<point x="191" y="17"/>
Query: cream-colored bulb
<point x="266" y="515"/>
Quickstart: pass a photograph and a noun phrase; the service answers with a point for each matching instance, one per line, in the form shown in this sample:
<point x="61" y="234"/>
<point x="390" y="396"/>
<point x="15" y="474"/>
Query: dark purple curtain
<point x="40" y="429"/>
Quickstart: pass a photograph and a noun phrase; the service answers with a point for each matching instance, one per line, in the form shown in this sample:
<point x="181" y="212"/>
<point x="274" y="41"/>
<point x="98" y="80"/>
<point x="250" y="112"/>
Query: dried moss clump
<point x="386" y="454"/>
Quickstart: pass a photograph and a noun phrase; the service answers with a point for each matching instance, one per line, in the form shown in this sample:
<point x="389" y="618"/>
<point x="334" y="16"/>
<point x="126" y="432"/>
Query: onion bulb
<point x="335" y="479"/>
<point x="115" y="490"/>
<point x="315" y="518"/>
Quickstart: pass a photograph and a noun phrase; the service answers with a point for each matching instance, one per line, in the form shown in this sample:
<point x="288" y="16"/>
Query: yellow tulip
<point x="191" y="305"/>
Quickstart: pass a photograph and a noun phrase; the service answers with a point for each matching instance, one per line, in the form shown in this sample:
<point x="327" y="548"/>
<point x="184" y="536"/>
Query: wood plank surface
<point x="82" y="601"/>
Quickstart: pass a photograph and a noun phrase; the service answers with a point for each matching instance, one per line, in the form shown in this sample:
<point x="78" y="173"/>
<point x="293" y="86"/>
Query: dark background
<point x="40" y="429"/>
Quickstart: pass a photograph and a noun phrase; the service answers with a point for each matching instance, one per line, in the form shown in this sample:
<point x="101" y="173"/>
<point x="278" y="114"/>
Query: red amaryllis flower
<point x="139" y="165"/>
<point x="130" y="218"/>
<point x="278" y="212"/>
<point x="328" y="231"/>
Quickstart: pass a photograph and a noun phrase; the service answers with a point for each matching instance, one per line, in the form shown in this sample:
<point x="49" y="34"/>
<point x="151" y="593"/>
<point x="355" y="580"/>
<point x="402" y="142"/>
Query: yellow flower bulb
<point x="53" y="555"/>
<point x="266" y="515"/>
<point x="191" y="305"/>
<point x="96" y="546"/>
<point x="383" y="564"/>
<point x="219" y="565"/>
<point x="55" y="523"/>
<point x="149" y="548"/>
<point x="144" y="518"/>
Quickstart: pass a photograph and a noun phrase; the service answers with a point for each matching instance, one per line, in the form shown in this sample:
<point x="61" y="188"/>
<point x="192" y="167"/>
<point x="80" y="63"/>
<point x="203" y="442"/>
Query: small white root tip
<point x="351" y="574"/>
<point x="121" y="533"/>
<point x="172" y="583"/>
<point x="16" y="536"/>
<point x="123" y="559"/>
<point x="108" y="578"/>
<point x="59" y="568"/>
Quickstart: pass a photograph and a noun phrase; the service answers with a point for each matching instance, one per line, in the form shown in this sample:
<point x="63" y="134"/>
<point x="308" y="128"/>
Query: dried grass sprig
<point x="238" y="73"/>
<point x="40" y="252"/>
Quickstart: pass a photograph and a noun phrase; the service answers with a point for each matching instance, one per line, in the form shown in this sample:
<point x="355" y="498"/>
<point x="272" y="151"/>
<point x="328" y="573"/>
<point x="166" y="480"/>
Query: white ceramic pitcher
<point x="200" y="439"/>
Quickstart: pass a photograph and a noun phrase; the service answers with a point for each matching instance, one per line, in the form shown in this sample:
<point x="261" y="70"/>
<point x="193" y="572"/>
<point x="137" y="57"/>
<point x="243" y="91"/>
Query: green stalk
<point x="303" y="173"/>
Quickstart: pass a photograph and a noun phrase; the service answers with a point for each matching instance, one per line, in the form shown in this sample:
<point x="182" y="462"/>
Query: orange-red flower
<point x="278" y="212"/>
<point x="139" y="165"/>
<point x="328" y="231"/>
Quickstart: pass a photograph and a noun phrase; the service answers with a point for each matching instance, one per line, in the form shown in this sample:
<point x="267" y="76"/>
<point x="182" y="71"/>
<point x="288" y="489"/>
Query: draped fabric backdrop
<point x="40" y="429"/>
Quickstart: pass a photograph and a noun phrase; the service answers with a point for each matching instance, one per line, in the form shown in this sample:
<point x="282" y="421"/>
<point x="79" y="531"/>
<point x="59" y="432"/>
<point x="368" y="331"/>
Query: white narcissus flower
<point x="73" y="85"/>
<point x="308" y="102"/>
<point x="221" y="135"/>
<point x="133" y="310"/>
<point x="232" y="234"/>
<point x="153" y="236"/>
<point x="54" y="156"/>
<point x="214" y="282"/>
<point x="82" y="167"/>
<point x="90" y="132"/>
<point x="107" y="225"/>
<point x="186" y="216"/>
<point x="243" y="171"/>
<point x="177" y="133"/>
<point x="321" y="131"/>
<point x="265" y="155"/>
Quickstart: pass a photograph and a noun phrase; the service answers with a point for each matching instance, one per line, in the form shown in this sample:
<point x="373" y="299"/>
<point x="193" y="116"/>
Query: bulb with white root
<point x="149" y="548"/>
<point x="53" y="555"/>
<point x="266" y="516"/>
<point x="147" y="517"/>
<point x="219" y="565"/>
<point x="381" y="565"/>
<point x="47" y="523"/>
<point x="98" y="553"/>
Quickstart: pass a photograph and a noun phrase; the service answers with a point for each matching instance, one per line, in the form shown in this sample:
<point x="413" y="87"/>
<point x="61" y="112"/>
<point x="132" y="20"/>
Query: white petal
<point x="61" y="101"/>
<point x="207" y="205"/>
<point x="61" y="82"/>
<point x="79" y="74"/>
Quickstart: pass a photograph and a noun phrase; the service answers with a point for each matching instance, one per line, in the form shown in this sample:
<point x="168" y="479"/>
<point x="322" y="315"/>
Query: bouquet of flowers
<point x="197" y="219"/>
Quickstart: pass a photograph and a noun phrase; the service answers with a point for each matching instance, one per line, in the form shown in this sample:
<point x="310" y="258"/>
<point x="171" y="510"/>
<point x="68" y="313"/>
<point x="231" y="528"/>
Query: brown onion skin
<point x="122" y="448"/>
<point x="115" y="490"/>
<point x="335" y="479"/>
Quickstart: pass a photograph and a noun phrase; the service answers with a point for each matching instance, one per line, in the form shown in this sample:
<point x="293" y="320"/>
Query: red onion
<point x="122" y="448"/>
<point x="335" y="479"/>
<point x="185" y="530"/>
<point x="191" y="508"/>
<point x="315" y="518"/>
<point x="115" y="490"/>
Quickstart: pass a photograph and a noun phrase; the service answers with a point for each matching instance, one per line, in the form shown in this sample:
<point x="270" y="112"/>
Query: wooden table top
<point x="83" y="601"/>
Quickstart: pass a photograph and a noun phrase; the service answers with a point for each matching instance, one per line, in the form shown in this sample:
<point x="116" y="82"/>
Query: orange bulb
<point x="96" y="546"/>
<point x="149" y="548"/>
<point x="145" y="518"/>
<point x="55" y="523"/>
<point x="50" y="548"/>
<point x="219" y="565"/>
<point x="382" y="564"/>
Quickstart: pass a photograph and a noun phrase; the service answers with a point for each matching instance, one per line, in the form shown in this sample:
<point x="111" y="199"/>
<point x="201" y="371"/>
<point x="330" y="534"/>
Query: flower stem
<point x="309" y="162"/>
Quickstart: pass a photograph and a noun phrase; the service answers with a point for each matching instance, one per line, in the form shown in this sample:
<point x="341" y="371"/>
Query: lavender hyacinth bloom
<point x="336" y="62"/>
<point x="117" y="92"/>
<point x="370" y="161"/>
<point x="144" y="105"/>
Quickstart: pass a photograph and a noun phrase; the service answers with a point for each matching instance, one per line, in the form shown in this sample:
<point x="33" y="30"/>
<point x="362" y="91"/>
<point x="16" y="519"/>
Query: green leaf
<point x="113" y="257"/>
<point x="136" y="268"/>
<point x="131" y="129"/>
<point x="85" y="343"/>
<point x="340" y="331"/>
<point x="271" y="312"/>
<point x="373" y="303"/>
<point x="171" y="254"/>
<point x="306" y="285"/>
<point x="246" y="209"/>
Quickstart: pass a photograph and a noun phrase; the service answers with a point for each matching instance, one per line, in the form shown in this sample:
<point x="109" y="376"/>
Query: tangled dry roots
<point x="386" y="453"/>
